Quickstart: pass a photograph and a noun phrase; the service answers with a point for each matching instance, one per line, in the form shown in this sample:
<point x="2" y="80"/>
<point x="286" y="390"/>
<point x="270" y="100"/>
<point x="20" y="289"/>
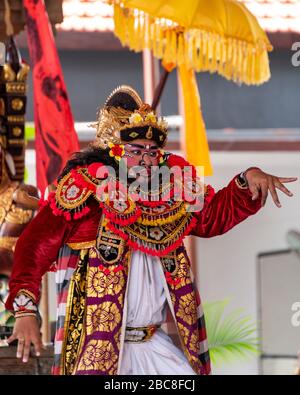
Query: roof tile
<point x="94" y="15"/>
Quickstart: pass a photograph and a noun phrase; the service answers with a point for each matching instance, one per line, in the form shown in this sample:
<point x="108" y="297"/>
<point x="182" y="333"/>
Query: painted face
<point x="142" y="152"/>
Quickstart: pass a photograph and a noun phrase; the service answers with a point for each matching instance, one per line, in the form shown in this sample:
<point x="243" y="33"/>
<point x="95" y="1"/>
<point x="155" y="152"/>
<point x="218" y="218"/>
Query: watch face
<point x="242" y="180"/>
<point x="242" y="176"/>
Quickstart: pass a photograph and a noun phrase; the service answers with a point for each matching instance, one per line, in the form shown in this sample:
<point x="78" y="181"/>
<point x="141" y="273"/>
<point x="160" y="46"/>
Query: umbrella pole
<point x="150" y="75"/>
<point x="159" y="89"/>
<point x="190" y="242"/>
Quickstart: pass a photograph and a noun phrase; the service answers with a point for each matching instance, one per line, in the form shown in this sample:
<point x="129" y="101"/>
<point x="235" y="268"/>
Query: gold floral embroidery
<point x="184" y="335"/>
<point x="184" y="332"/>
<point x="113" y="370"/>
<point x="183" y="271"/>
<point x="173" y="297"/>
<point x="104" y="317"/>
<point x="74" y="332"/>
<point x="195" y="363"/>
<point x="194" y="342"/>
<point x="117" y="336"/>
<point x="100" y="284"/>
<point x="98" y="355"/>
<point x="183" y="259"/>
<point x="121" y="299"/>
<point x="187" y="309"/>
<point x="183" y="267"/>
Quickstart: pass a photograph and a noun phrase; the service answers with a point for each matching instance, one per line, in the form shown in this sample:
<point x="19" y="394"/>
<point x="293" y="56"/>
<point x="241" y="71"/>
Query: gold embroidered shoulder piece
<point x="72" y="193"/>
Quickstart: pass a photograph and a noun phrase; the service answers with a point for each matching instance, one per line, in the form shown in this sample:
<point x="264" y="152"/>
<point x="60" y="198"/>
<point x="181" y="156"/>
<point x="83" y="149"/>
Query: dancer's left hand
<point x="259" y="181"/>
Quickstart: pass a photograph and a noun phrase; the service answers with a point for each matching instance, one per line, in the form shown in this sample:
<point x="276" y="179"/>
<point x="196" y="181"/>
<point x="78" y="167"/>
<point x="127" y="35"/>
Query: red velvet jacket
<point x="39" y="244"/>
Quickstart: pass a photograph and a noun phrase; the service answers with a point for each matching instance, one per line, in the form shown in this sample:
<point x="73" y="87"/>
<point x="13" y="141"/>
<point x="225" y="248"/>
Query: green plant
<point x="29" y="131"/>
<point x="26" y="175"/>
<point x="231" y="337"/>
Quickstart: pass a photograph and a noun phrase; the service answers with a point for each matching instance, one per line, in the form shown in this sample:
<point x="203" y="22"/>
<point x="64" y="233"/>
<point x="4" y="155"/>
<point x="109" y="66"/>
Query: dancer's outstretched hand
<point x="260" y="181"/>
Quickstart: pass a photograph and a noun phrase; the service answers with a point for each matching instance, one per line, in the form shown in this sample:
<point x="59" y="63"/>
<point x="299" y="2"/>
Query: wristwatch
<point x="241" y="178"/>
<point x="242" y="181"/>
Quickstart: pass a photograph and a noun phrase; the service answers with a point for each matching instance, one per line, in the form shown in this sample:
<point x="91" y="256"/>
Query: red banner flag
<point x="56" y="138"/>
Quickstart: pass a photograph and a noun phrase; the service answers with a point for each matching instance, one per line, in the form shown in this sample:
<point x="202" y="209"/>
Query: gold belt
<point x="140" y="333"/>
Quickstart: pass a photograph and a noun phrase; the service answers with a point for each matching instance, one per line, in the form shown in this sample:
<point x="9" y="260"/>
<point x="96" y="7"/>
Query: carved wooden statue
<point x="18" y="201"/>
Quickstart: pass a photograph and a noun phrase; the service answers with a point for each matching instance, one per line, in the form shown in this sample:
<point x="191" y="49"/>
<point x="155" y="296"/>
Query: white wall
<point x="30" y="166"/>
<point x="227" y="264"/>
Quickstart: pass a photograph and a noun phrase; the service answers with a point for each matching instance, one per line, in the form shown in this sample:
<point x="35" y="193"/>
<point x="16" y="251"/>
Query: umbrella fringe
<point x="201" y="50"/>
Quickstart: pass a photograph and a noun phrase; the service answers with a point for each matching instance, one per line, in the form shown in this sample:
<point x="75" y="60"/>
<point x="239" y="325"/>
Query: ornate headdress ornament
<point x="125" y="117"/>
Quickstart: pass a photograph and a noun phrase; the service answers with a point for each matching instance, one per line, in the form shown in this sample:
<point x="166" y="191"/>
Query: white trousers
<point x="146" y="304"/>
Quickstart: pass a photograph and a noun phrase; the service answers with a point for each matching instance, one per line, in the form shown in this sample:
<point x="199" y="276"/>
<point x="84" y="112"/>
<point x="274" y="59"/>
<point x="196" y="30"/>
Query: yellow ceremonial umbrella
<point x="196" y="35"/>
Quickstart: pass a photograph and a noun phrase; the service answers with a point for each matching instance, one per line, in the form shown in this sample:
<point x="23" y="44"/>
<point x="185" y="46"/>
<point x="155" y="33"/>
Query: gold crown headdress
<point x="125" y="117"/>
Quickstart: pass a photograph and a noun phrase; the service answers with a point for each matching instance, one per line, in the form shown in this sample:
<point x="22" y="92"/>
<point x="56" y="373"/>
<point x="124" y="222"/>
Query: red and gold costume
<point x="92" y="240"/>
